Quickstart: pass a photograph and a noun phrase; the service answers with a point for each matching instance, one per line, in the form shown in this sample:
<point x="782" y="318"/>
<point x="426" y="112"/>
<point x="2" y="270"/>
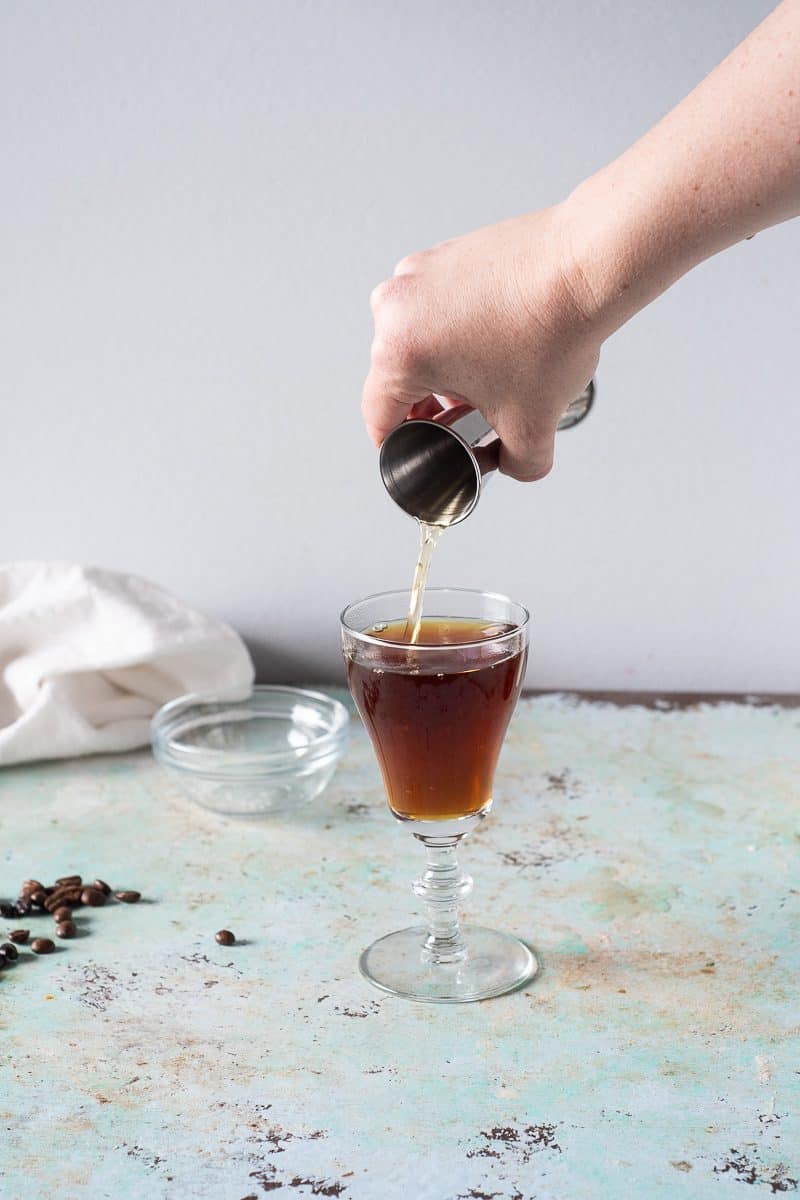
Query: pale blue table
<point x="650" y="856"/>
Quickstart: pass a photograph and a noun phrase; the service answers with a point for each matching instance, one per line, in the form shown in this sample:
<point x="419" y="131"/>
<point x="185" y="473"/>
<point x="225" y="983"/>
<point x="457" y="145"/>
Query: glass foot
<point x="494" y="963"/>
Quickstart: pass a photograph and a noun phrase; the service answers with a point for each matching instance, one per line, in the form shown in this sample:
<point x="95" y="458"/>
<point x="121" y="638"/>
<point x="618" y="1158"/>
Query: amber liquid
<point x="428" y="537"/>
<point x="437" y="720"/>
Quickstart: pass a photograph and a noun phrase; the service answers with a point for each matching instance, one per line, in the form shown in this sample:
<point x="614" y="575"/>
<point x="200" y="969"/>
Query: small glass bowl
<point x="270" y="753"/>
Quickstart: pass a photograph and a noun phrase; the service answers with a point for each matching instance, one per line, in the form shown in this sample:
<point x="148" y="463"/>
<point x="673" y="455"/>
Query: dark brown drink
<point x="437" y="719"/>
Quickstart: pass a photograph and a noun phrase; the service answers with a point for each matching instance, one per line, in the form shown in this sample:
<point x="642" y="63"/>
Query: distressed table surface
<point x="649" y="855"/>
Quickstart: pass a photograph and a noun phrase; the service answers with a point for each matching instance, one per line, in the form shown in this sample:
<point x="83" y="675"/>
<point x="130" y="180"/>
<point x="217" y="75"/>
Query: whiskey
<point x="437" y="711"/>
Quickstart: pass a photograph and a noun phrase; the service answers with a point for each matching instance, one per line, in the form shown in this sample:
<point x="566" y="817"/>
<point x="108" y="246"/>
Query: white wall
<point x="197" y="198"/>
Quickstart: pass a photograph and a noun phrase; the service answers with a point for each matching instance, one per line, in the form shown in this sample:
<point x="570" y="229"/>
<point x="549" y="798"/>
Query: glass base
<point x="495" y="963"/>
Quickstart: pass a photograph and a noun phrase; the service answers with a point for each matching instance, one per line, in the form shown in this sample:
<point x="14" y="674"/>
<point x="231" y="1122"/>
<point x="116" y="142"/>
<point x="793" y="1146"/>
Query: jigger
<point x="436" y="469"/>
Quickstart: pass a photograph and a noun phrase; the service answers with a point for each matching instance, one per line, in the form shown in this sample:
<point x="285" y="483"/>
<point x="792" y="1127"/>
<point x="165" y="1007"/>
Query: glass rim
<point x="519" y="626"/>
<point x="167" y="732"/>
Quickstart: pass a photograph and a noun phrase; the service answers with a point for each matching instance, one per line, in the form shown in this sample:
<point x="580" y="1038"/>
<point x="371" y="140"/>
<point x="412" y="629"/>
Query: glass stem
<point x="442" y="887"/>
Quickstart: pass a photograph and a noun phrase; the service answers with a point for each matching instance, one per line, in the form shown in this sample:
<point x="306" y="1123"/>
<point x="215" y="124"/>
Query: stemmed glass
<point x="437" y="712"/>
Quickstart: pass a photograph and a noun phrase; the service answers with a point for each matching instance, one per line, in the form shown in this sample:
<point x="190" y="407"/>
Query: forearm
<point x="719" y="168"/>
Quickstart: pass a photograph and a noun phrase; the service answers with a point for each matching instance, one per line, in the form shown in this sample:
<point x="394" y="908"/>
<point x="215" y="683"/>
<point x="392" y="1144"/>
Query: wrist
<point x="626" y="243"/>
<point x="599" y="260"/>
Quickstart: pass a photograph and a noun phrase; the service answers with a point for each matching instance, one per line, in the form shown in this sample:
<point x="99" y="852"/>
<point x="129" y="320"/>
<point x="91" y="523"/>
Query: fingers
<point x="384" y="405"/>
<point x="394" y="386"/>
<point x="427" y="409"/>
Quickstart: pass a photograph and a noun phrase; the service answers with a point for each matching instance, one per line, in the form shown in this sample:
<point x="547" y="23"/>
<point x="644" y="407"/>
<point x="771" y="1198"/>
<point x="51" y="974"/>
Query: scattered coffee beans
<point x="225" y="937"/>
<point x="68" y="892"/>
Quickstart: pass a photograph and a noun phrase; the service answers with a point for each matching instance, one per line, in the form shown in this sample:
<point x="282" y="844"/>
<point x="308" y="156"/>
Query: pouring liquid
<point x="428" y="537"/>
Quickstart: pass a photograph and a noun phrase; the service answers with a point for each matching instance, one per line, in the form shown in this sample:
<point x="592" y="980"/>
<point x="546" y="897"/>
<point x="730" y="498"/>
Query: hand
<point x="510" y="319"/>
<point x="494" y="320"/>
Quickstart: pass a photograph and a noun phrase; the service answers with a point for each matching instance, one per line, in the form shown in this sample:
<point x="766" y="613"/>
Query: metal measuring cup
<point x="436" y="469"/>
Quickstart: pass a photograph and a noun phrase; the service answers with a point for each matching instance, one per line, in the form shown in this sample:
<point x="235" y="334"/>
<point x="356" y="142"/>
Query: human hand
<point x="498" y="319"/>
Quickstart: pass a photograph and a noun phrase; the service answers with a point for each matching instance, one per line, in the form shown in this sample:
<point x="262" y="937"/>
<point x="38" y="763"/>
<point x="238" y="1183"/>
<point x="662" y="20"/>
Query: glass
<point x="269" y="753"/>
<point x="437" y="713"/>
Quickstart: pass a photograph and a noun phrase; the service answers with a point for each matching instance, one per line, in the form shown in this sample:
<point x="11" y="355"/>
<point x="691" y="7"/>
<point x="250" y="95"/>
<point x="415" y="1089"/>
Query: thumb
<point x="526" y="453"/>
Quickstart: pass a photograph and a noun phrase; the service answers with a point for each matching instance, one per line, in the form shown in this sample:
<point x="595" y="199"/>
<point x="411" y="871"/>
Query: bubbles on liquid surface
<point x="377" y="670"/>
<point x="380" y="627"/>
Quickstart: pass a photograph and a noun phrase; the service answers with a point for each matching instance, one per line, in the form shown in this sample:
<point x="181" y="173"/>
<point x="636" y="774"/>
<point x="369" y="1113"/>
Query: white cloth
<point x="87" y="656"/>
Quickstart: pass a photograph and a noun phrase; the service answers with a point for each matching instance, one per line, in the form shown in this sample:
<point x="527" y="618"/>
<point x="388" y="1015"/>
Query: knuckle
<point x="397" y="351"/>
<point x="388" y="291"/>
<point x="409" y="264"/>
<point x="376" y="296"/>
<point x="381" y="354"/>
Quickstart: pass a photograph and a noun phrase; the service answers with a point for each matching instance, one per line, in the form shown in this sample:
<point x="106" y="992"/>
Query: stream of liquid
<point x="428" y="537"/>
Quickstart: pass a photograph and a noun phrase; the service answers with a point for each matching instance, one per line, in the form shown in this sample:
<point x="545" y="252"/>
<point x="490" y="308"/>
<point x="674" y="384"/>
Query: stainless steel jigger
<point x="436" y="470"/>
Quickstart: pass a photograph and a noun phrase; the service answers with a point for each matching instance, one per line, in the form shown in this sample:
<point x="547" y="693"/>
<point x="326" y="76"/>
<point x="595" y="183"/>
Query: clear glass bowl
<point x="270" y="753"/>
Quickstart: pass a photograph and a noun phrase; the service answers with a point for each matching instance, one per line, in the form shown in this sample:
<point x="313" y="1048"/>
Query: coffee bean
<point x="62" y="914"/>
<point x="102" y="886"/>
<point x="60" y="888"/>
<point x="69" y="881"/>
<point x="29" y="887"/>
<point x="225" y="937"/>
<point x="66" y="929"/>
<point x="93" y="897"/>
<point x="23" y="908"/>
<point x="128" y="897"/>
<point x="10" y="950"/>
<point x="42" y="946"/>
<point x="4" y="959"/>
<point x="37" y="899"/>
<point x="62" y="896"/>
<point x="9" y="911"/>
<point x="19" y="935"/>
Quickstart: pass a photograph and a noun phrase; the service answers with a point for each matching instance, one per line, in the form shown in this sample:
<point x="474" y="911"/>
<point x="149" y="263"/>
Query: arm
<point x="511" y="318"/>
<point x="719" y="168"/>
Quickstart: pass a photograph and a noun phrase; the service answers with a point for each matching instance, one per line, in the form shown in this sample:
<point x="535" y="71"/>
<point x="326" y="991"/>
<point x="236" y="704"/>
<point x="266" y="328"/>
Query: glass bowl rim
<point x="519" y="626"/>
<point x="210" y="762"/>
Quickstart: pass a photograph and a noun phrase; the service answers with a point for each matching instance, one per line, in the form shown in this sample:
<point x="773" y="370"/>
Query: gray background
<point x="197" y="198"/>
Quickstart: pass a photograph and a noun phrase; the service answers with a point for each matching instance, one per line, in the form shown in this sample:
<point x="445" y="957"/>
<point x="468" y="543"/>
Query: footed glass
<point x="437" y="711"/>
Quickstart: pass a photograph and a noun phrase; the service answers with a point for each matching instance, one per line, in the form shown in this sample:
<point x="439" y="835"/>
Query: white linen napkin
<point x="88" y="655"/>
